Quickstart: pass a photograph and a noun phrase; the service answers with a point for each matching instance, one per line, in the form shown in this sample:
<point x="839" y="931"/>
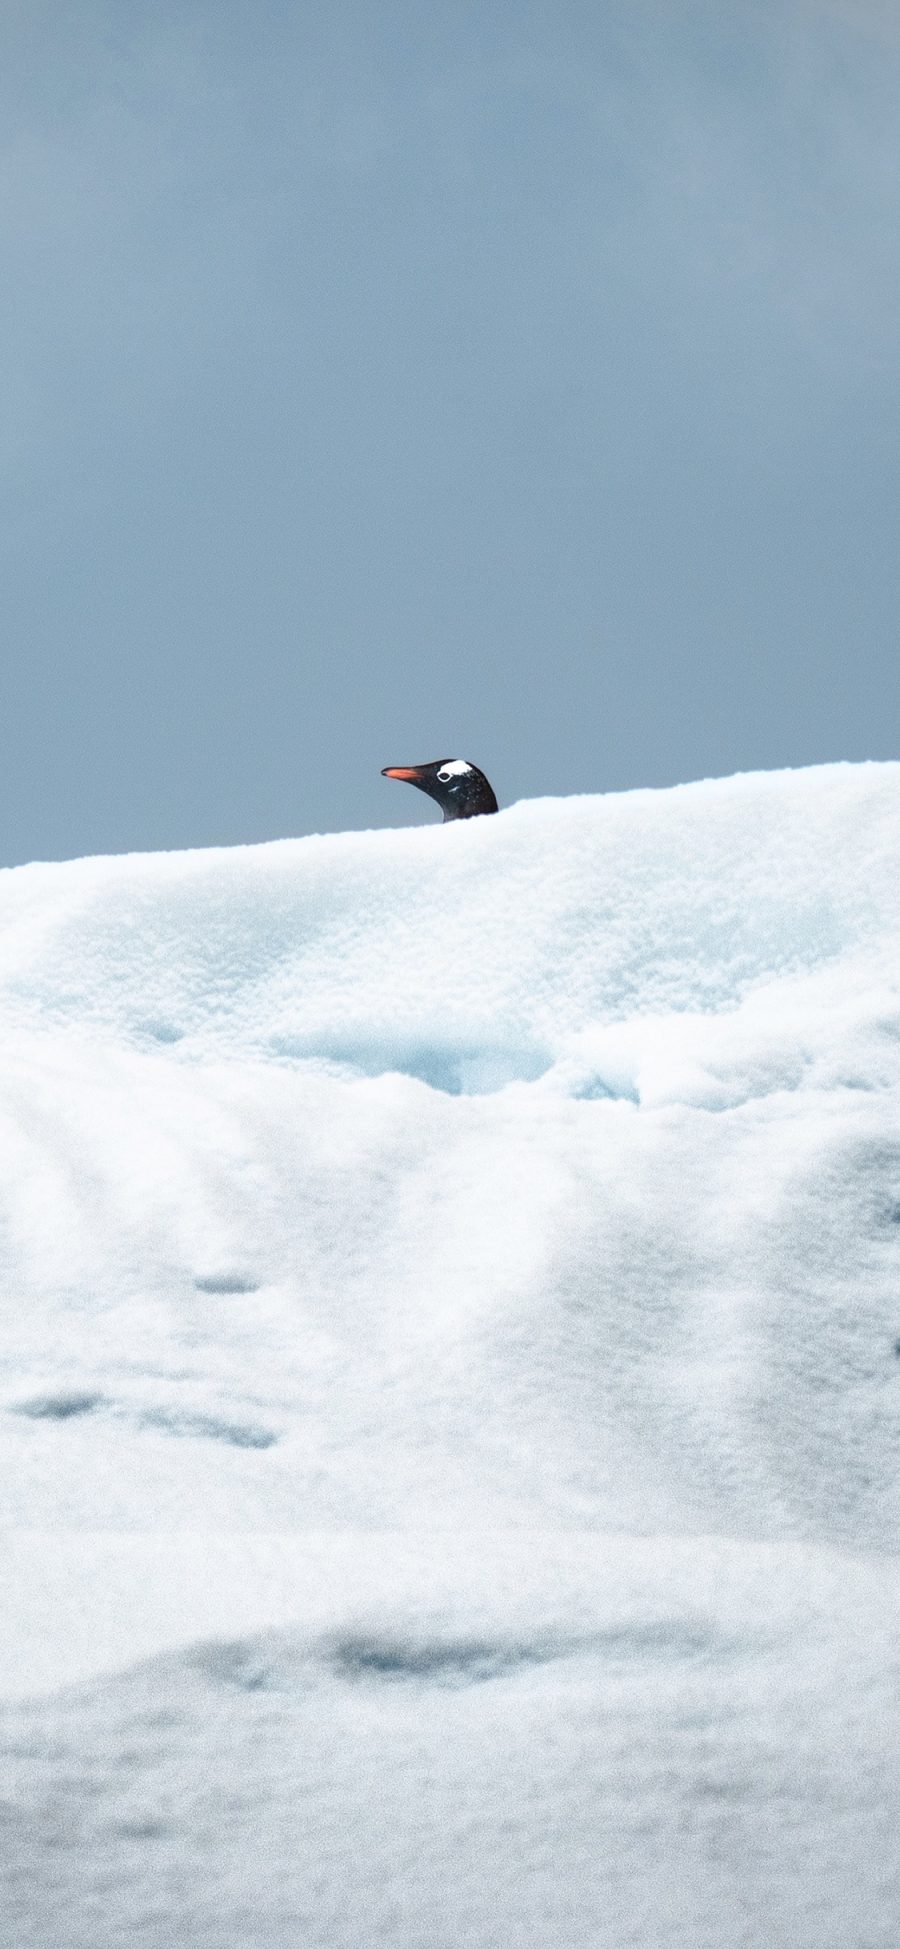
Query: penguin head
<point x="460" y="789"/>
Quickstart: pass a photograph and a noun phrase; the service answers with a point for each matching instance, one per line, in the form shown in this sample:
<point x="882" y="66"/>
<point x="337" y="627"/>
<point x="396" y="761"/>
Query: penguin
<point x="461" y="790"/>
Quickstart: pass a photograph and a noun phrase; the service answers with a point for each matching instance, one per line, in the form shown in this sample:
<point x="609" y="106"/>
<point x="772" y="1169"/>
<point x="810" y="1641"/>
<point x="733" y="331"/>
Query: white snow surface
<point x="449" y="1383"/>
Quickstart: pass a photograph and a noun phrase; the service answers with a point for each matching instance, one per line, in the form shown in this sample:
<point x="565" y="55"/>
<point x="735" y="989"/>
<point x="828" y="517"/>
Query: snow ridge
<point x="451" y="1311"/>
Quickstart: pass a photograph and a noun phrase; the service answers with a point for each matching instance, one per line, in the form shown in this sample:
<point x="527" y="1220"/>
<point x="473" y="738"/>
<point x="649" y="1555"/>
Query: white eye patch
<point x="455" y="768"/>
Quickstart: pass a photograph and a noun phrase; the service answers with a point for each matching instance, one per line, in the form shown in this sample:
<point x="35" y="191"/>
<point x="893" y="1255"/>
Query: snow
<point x="449" y="1384"/>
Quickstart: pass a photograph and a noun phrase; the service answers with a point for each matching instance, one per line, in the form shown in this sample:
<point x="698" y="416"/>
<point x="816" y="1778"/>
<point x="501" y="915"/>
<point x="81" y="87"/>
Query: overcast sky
<point x="383" y="382"/>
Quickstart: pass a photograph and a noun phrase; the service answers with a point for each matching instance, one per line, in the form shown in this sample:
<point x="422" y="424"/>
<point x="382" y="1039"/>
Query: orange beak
<point x="408" y="772"/>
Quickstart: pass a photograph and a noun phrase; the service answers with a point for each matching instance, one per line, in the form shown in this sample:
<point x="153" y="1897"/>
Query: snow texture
<point x="450" y="1382"/>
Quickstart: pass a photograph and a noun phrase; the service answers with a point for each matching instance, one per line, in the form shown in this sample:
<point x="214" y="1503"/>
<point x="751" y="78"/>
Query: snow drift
<point x="451" y="1338"/>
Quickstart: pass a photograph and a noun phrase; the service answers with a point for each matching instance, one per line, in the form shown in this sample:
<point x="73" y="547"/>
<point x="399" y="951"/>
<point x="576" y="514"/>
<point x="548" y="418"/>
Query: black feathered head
<point x="460" y="789"/>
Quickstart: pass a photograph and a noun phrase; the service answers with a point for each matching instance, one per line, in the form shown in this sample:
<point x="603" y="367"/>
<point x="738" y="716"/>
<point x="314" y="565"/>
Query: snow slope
<point x="450" y="1393"/>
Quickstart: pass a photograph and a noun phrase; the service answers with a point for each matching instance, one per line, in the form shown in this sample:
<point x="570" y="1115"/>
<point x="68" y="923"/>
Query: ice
<point x="449" y="1391"/>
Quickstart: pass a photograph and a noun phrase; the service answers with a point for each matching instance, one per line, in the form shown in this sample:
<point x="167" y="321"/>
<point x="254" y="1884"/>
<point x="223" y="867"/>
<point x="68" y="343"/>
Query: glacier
<point x="450" y="1410"/>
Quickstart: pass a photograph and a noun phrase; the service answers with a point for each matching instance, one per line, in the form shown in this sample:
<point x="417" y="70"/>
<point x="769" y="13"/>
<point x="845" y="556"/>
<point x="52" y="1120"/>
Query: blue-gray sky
<point x="383" y="381"/>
